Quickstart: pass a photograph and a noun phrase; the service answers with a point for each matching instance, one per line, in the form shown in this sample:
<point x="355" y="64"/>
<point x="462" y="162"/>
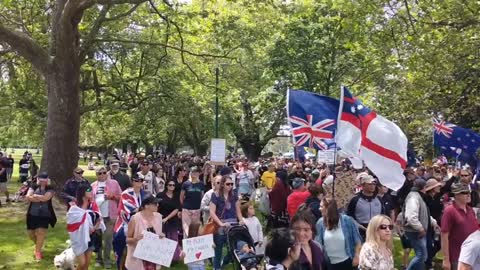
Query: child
<point x="246" y="255"/>
<point x="193" y="232"/>
<point x="252" y="223"/>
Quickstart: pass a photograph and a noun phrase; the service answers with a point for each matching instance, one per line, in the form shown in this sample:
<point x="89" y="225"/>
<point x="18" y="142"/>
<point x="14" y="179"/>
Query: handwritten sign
<point x="153" y="249"/>
<point x="198" y="248"/>
<point x="218" y="151"/>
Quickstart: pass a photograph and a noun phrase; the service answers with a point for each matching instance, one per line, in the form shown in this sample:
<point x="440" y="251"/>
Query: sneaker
<point x="8" y="200"/>
<point x="98" y="264"/>
<point x="38" y="256"/>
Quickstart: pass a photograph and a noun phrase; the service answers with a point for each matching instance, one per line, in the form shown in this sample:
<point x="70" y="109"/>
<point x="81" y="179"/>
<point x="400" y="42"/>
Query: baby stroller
<point x="22" y="191"/>
<point x="235" y="234"/>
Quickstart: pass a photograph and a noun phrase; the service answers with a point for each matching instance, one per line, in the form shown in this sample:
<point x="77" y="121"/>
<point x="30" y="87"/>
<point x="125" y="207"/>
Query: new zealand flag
<point x="312" y="118"/>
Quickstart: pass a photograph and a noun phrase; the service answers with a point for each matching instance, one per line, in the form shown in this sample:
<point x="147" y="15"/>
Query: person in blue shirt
<point x="335" y="228"/>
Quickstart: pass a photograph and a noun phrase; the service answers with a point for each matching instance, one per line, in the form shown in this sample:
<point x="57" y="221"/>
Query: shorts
<point x="3" y="187"/>
<point x="405" y="243"/>
<point x="36" y="222"/>
<point x="23" y="178"/>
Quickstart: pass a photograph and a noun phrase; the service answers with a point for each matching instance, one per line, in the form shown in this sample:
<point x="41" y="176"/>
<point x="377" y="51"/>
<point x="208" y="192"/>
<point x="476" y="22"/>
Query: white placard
<point x="327" y="157"/>
<point x="198" y="248"/>
<point x="260" y="250"/>
<point x="156" y="250"/>
<point x="218" y="151"/>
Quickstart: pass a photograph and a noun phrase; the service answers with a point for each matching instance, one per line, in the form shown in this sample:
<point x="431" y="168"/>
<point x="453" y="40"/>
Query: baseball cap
<point x="136" y="177"/>
<point x="316" y="172"/>
<point x="42" y="176"/>
<point x="459" y="188"/>
<point x="298" y="182"/>
<point x="115" y="163"/>
<point x="366" y="178"/>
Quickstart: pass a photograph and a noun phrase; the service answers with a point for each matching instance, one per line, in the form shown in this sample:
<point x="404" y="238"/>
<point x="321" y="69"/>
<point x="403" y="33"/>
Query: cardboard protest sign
<point x="156" y="250"/>
<point x="327" y="156"/>
<point x="218" y="151"/>
<point x="198" y="248"/>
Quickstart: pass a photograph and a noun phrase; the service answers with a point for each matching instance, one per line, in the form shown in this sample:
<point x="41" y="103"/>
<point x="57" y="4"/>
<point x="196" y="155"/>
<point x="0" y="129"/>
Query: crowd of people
<point x="317" y="216"/>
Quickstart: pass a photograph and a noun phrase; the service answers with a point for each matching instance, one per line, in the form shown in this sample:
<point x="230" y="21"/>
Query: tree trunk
<point x="62" y="76"/>
<point x="148" y="148"/>
<point x="60" y="154"/>
<point x="135" y="148"/>
<point x="252" y="149"/>
<point x="124" y="147"/>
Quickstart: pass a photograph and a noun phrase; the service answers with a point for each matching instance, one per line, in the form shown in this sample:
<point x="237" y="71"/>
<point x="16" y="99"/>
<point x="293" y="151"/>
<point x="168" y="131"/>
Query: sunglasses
<point x="100" y="173"/>
<point x="465" y="175"/>
<point x="228" y="184"/>
<point x="465" y="193"/>
<point x="384" y="227"/>
<point x="81" y="172"/>
<point x="171" y="185"/>
<point x="137" y="180"/>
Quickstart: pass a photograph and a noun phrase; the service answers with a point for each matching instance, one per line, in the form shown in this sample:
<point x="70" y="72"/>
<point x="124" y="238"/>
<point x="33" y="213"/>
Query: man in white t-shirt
<point x="470" y="253"/>
<point x="149" y="181"/>
<point x="106" y="193"/>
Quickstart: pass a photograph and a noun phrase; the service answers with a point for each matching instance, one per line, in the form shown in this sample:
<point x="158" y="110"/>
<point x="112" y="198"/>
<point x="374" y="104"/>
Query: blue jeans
<point x="419" y="245"/>
<point x="220" y="239"/>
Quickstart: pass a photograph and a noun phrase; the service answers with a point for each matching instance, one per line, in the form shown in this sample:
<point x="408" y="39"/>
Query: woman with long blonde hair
<point x="376" y="253"/>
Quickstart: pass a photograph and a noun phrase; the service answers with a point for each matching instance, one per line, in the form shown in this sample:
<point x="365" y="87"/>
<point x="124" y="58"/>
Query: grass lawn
<point x="16" y="250"/>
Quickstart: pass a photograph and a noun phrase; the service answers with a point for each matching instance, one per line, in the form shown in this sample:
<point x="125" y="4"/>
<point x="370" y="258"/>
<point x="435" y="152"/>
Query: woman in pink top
<point x="147" y="219"/>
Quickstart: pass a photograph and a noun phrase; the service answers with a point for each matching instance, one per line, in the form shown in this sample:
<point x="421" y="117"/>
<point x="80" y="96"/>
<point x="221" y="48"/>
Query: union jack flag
<point x="312" y="119"/>
<point x="312" y="134"/>
<point x="443" y="128"/>
<point x="129" y="204"/>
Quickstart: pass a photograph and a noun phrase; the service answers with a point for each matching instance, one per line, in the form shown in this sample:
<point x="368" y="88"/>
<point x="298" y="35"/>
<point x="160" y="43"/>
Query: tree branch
<point x="140" y="42"/>
<point x="27" y="48"/>
<point x="88" y="41"/>
<point x="88" y="3"/>
<point x="130" y="11"/>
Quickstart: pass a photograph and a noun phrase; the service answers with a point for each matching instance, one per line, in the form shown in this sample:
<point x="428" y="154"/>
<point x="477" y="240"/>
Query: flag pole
<point x="334" y="163"/>
<point x="433" y="141"/>
<point x="340" y="109"/>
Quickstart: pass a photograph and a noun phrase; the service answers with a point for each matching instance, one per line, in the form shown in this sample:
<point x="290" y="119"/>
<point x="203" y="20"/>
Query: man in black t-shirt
<point x="24" y="168"/>
<point x="3" y="179"/>
<point x="121" y="177"/>
<point x="11" y="161"/>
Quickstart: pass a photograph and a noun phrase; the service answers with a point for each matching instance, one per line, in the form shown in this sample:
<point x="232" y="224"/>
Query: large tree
<point x="53" y="39"/>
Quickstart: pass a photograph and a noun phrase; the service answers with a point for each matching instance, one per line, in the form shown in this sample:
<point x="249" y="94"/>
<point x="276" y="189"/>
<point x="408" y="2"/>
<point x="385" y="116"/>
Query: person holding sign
<point x="147" y="219"/>
<point x="224" y="209"/>
<point x="193" y="231"/>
